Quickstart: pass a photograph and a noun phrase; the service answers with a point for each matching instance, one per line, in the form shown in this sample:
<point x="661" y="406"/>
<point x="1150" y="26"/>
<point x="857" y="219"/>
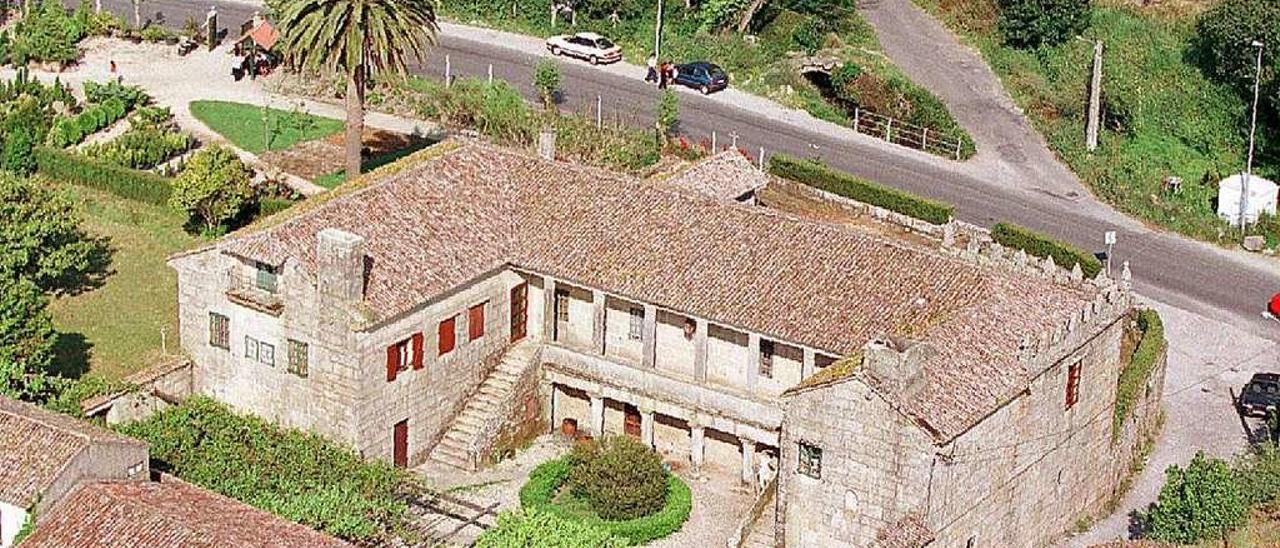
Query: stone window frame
<point x="809" y="459"/>
<point x="298" y="357"/>
<point x="251" y="347"/>
<point x="635" y="330"/>
<point x="267" y="354"/>
<point x="767" y="352"/>
<point x="562" y="304"/>
<point x="267" y="278"/>
<point x="219" y="331"/>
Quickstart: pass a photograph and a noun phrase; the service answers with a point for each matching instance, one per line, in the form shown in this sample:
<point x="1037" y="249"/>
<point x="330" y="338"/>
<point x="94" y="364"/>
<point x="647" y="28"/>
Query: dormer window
<point x="268" y="277"/>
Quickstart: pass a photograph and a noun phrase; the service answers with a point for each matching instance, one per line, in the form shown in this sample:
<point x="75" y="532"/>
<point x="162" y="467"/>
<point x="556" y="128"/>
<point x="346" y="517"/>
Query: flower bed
<point x="542" y="493"/>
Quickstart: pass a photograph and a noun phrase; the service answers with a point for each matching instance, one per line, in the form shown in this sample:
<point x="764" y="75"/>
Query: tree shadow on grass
<point x="94" y="274"/>
<point x="71" y="355"/>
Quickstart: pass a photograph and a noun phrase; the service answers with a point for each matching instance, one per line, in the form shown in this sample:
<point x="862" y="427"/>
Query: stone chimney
<point x="897" y="365"/>
<point x="340" y="265"/>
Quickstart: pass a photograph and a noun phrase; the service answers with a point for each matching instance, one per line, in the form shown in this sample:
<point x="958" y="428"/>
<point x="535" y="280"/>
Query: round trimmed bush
<point x="621" y="477"/>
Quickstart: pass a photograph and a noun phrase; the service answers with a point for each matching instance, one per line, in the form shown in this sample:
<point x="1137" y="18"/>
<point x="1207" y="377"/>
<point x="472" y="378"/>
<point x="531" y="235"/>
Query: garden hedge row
<point x="817" y="175"/>
<point x="546" y="479"/>
<point x="121" y="181"/>
<point x="71" y="131"/>
<point x="1039" y="245"/>
<point x="1133" y="378"/>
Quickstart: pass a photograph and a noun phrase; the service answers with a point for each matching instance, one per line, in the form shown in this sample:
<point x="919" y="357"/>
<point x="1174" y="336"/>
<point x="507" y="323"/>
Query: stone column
<point x="597" y="322"/>
<point x="552" y="401"/>
<point x="697" y="444"/>
<point x="748" y="451"/>
<point x="548" y="308"/>
<point x="597" y="415"/>
<point x="649" y="337"/>
<point x="700" y="350"/>
<point x="753" y="362"/>
<point x="807" y="367"/>
<point x="646" y="426"/>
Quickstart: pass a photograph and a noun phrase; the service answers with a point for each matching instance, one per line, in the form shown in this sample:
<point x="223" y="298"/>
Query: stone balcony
<point x="245" y="292"/>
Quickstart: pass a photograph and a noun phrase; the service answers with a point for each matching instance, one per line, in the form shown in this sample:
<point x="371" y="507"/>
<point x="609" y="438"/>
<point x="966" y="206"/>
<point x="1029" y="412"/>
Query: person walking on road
<point x="664" y="70"/>
<point x="652" y="75"/>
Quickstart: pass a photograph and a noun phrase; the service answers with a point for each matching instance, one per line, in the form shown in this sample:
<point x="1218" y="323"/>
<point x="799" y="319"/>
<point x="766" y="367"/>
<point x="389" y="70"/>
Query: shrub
<point x="124" y="182"/>
<point x="213" y="188"/>
<point x="1039" y="245"/>
<point x="141" y="147"/>
<point x="48" y="34"/>
<point x="1258" y="474"/>
<point x="294" y="474"/>
<point x="24" y="123"/>
<point x="1222" y="42"/>
<point x="817" y="175"/>
<point x="539" y="492"/>
<point x="271" y="206"/>
<point x="546" y="78"/>
<point x="544" y="529"/>
<point x="808" y="35"/>
<point x="89" y="121"/>
<point x="1033" y="23"/>
<point x="668" y="113"/>
<point x="1133" y="378"/>
<point x="621" y="477"/>
<point x="1199" y="502"/>
<point x="130" y="96"/>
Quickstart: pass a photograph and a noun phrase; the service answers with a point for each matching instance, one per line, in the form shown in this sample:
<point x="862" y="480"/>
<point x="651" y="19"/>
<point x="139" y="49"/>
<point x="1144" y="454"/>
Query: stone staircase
<point x="485" y="409"/>
<point x="761" y="535"/>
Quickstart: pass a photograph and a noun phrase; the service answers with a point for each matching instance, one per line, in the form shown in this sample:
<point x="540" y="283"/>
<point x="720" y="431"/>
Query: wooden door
<point x="519" y="312"/>
<point x="400" y="454"/>
<point x="631" y="421"/>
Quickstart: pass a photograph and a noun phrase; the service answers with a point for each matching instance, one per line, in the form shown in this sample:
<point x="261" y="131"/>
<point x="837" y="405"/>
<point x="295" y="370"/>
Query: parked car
<point x="702" y="76"/>
<point x="590" y="46"/>
<point x="1262" y="394"/>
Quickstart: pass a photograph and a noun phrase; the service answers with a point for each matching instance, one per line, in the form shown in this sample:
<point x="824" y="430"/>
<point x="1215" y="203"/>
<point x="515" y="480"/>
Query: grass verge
<point x="331" y="180"/>
<point x="257" y="129"/>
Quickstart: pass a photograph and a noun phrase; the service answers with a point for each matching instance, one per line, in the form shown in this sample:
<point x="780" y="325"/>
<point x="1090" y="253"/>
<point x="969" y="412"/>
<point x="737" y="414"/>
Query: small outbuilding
<point x="1262" y="198"/>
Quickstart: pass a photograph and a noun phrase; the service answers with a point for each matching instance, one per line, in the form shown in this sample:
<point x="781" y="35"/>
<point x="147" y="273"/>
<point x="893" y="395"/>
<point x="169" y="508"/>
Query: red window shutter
<point x="475" y="322"/>
<point x="417" y="350"/>
<point x="393" y="362"/>
<point x="447" y="334"/>
<point x="1073" y="384"/>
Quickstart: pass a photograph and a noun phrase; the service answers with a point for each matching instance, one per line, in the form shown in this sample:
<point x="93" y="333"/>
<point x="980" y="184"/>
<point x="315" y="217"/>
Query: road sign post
<point x="1109" y="238"/>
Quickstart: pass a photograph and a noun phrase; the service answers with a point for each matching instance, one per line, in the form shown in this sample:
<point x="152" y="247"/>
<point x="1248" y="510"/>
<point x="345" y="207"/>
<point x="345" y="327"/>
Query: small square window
<point x="562" y="305"/>
<point x="267" y="354"/>
<point x="298" y="358"/>
<point x="268" y="277"/>
<point x="251" y="348"/>
<point x="635" y="331"/>
<point x="219" y="331"/>
<point x="810" y="460"/>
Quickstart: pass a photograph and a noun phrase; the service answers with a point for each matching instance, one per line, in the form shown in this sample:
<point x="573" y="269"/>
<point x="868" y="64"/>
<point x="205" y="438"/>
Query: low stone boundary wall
<point x="149" y="391"/>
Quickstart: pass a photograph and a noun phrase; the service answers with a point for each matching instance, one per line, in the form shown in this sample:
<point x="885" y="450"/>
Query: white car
<point x="590" y="46"/>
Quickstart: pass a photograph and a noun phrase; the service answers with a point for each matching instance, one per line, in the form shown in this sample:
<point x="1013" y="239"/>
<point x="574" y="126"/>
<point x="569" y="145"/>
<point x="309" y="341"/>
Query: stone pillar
<point x="548" y="308"/>
<point x="700" y="350"/>
<point x="553" y="402"/>
<point x="753" y="361"/>
<point x="646" y="426"/>
<point x="697" y="444"/>
<point x="597" y="415"/>
<point x="807" y="367"/>
<point x="597" y="322"/>
<point x="649" y="337"/>
<point x="748" y="451"/>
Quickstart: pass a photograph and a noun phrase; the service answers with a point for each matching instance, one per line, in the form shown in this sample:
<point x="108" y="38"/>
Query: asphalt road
<point x="1169" y="268"/>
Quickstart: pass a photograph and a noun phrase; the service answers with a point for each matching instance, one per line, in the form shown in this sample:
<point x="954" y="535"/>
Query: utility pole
<point x="1095" y="100"/>
<point x="657" y="33"/>
<point x="1253" y="126"/>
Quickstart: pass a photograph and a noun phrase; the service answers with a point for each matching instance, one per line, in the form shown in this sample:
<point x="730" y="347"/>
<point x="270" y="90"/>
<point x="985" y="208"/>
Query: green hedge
<point x="1039" y="245"/>
<point x="71" y="131"/>
<point x="538" y="493"/>
<point x="1133" y="378"/>
<point x="271" y="206"/>
<point x="819" y="176"/>
<point x="121" y="181"/>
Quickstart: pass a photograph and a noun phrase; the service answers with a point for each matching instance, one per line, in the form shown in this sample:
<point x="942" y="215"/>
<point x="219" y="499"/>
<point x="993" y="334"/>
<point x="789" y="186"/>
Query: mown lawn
<point x="116" y="328"/>
<point x="255" y="129"/>
<point x="331" y="180"/>
<point x="1162" y="115"/>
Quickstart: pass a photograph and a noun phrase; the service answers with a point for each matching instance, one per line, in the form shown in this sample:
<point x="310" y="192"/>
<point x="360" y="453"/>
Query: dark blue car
<point x="702" y="76"/>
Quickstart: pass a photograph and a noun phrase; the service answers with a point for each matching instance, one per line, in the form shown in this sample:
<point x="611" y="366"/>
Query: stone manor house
<point x="911" y="393"/>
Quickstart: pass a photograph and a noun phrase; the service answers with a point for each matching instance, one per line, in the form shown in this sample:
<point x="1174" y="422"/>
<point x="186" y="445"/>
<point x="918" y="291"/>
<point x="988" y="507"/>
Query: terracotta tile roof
<point x="448" y="220"/>
<point x="37" y="444"/>
<point x="727" y="175"/>
<point x="908" y="532"/>
<point x="168" y="513"/>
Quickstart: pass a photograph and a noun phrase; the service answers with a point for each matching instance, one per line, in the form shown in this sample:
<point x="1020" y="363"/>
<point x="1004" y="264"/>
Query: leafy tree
<point x="40" y="233"/>
<point x="358" y="39"/>
<point x="621" y="478"/>
<point x="546" y="77"/>
<point x="1033" y="23"/>
<point x="26" y="339"/>
<point x="716" y="14"/>
<point x="1199" y="502"/>
<point x="544" y="529"/>
<point x="1223" y="43"/>
<point x="213" y="188"/>
<point x="668" y="114"/>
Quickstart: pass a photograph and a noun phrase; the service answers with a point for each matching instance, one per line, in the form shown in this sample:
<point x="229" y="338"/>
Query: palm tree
<point x="357" y="39"/>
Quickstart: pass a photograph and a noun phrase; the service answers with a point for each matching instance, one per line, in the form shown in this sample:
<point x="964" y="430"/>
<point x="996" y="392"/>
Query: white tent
<point x="1262" y="198"/>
